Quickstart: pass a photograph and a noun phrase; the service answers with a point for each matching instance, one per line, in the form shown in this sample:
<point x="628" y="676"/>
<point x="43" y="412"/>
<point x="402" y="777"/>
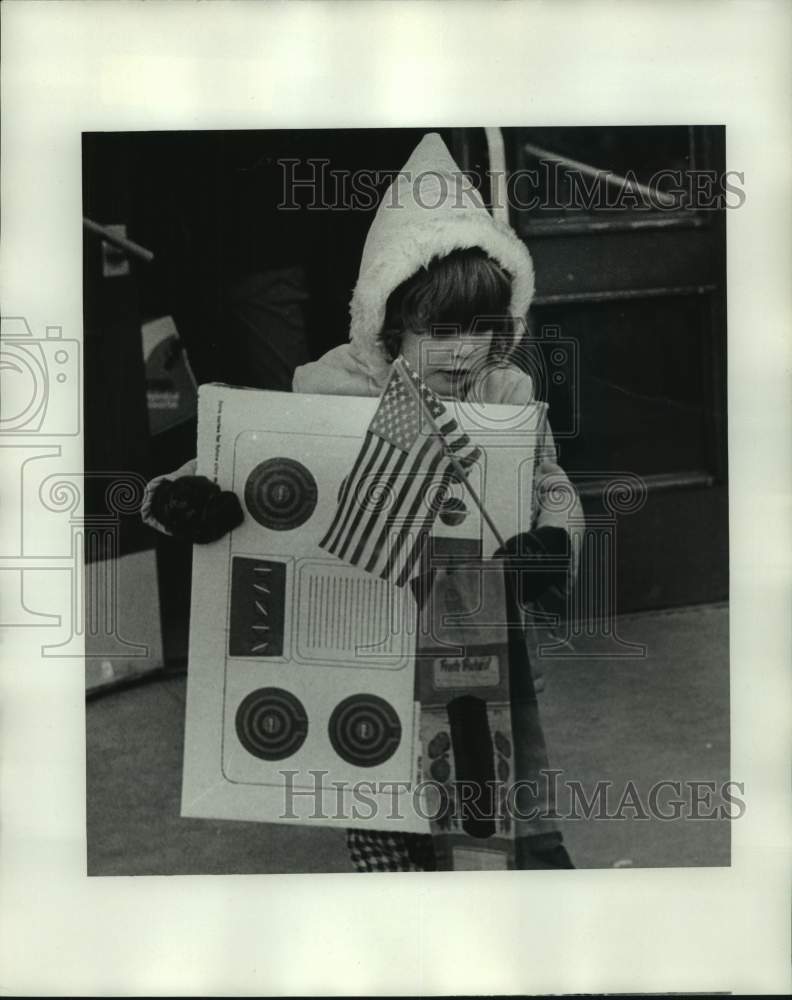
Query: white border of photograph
<point x="85" y="66"/>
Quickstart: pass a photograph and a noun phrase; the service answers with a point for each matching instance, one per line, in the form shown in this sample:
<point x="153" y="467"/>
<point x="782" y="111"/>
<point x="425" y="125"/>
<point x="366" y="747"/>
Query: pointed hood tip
<point x="430" y="155"/>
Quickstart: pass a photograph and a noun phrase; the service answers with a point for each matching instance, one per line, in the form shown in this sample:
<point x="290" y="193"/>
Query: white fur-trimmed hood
<point x="429" y="210"/>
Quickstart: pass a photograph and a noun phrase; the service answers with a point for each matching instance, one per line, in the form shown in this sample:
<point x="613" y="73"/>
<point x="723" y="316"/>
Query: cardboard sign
<point x="301" y="703"/>
<point x="462" y="686"/>
<point x="171" y="391"/>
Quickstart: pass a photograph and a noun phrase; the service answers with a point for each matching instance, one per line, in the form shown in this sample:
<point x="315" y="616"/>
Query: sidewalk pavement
<point x="661" y="717"/>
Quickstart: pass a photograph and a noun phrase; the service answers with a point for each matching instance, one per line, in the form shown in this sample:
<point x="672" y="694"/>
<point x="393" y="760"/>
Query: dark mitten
<point x="540" y="558"/>
<point x="195" y="509"/>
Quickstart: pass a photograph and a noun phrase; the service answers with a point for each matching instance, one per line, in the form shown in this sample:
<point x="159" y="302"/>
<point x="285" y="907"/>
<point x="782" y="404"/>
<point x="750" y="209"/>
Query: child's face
<point x="445" y="363"/>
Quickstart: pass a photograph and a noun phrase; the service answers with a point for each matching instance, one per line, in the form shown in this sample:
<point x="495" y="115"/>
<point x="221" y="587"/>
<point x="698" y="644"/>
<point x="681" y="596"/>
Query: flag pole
<point x="457" y="465"/>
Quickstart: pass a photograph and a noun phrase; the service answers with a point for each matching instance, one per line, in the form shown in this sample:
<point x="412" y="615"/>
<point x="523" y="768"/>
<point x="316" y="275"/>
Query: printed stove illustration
<point x="328" y="646"/>
<point x="302" y="665"/>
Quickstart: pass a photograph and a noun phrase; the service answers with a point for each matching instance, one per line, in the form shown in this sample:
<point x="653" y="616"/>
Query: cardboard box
<point x="301" y="702"/>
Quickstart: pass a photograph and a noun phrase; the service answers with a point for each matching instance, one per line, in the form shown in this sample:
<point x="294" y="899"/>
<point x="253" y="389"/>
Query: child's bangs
<point x="465" y="291"/>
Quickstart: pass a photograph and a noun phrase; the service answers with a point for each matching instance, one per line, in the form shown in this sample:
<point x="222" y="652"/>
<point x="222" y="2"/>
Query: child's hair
<point x="452" y="291"/>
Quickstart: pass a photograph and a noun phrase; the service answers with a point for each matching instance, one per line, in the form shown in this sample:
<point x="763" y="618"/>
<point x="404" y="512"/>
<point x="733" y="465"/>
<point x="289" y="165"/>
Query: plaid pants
<point x="377" y="851"/>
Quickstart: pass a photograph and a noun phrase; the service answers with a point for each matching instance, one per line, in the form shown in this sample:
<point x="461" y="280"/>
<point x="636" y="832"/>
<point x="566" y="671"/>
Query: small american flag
<point x="390" y="499"/>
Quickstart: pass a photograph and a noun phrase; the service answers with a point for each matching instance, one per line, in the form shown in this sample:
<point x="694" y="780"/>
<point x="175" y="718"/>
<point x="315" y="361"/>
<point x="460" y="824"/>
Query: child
<point x="434" y="263"/>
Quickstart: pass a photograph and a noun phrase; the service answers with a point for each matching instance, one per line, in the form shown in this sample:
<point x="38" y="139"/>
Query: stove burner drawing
<point x="280" y="494"/>
<point x="364" y="730"/>
<point x="271" y="723"/>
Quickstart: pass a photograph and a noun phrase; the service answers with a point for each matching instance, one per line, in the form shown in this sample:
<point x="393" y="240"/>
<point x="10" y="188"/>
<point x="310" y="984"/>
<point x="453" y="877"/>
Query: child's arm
<point x="557" y="507"/>
<point x="550" y="552"/>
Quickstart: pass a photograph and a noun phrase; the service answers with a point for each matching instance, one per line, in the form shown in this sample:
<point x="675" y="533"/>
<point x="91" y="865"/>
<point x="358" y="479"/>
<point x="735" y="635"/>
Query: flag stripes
<point x="385" y="511"/>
